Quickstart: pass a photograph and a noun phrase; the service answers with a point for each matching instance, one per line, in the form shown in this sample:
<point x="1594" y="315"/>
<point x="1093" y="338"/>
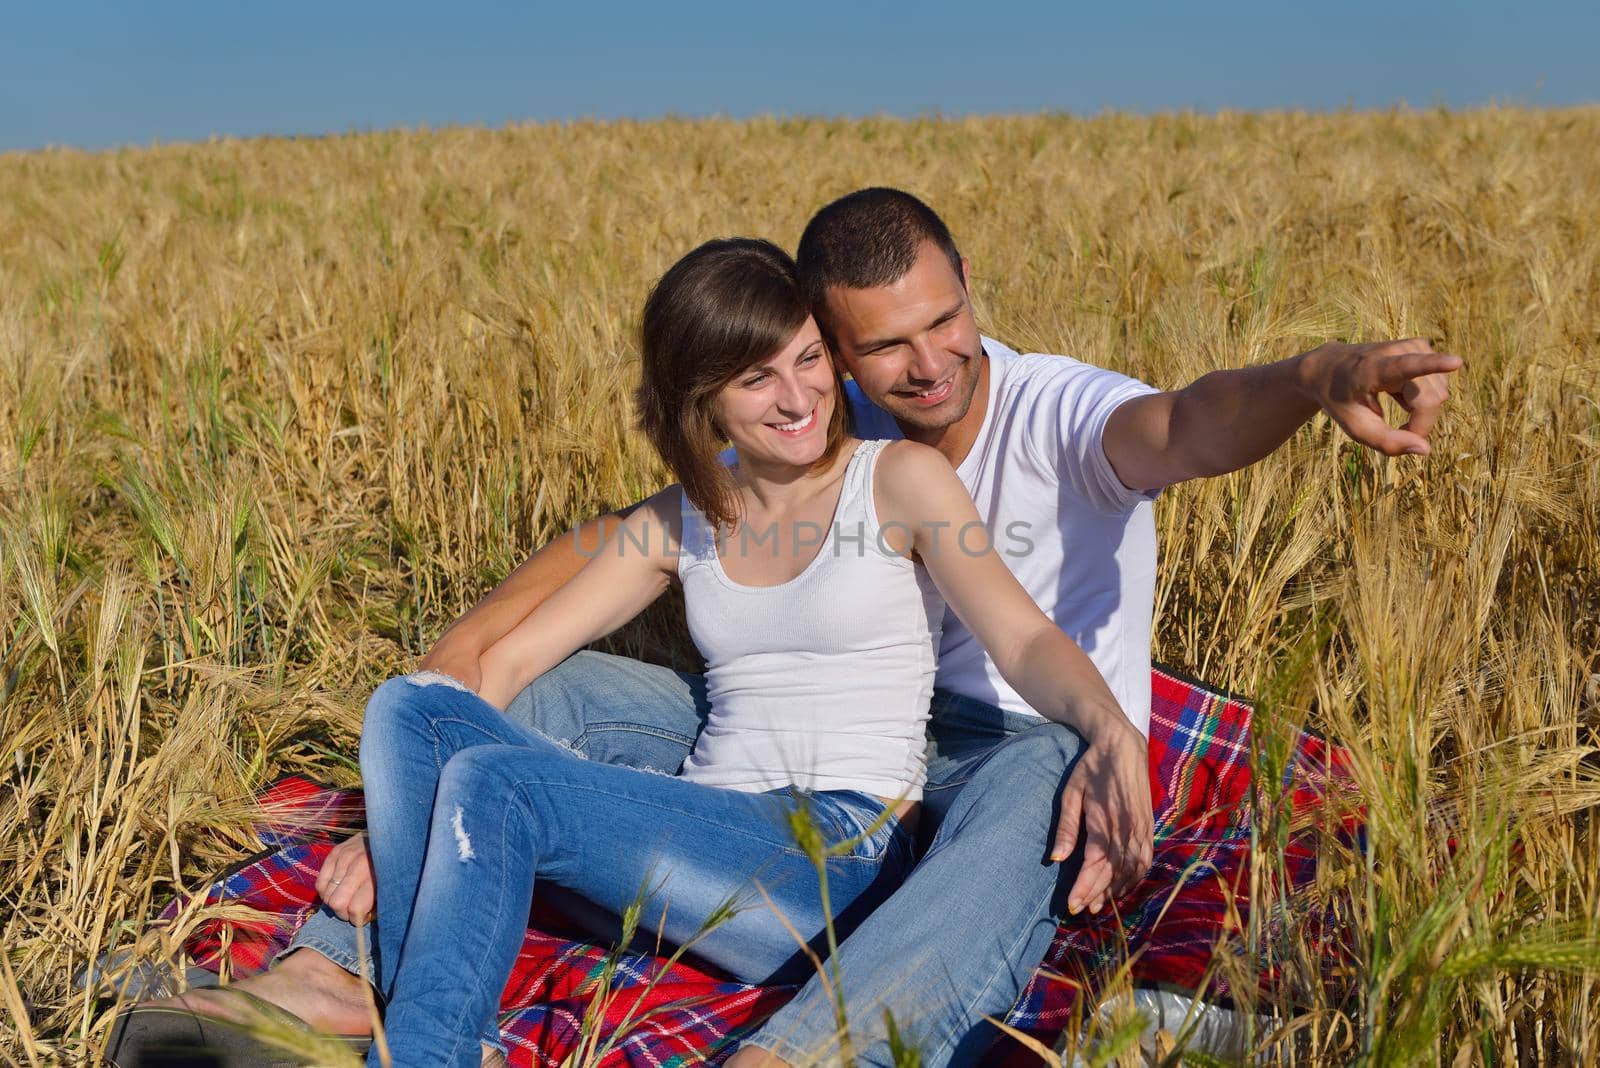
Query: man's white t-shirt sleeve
<point x="1080" y="399"/>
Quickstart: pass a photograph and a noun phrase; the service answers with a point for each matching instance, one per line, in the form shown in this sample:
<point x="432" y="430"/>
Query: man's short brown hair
<point x="868" y="238"/>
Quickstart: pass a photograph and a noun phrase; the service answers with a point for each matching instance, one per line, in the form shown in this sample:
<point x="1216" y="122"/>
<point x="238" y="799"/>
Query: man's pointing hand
<point x="1347" y="380"/>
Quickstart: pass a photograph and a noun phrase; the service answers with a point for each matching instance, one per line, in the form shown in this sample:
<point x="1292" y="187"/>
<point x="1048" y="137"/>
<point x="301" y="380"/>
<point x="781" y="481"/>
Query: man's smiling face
<point x="912" y="345"/>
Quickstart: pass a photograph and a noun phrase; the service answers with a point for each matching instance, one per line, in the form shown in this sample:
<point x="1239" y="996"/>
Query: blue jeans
<point x="608" y="708"/>
<point x="467" y="811"/>
<point x="994" y="780"/>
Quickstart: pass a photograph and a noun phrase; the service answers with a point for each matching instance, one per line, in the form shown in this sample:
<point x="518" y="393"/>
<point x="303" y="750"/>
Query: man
<point x="1063" y="460"/>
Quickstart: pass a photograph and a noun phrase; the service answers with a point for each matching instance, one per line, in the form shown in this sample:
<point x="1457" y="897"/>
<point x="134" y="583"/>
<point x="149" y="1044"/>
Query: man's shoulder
<point x="1056" y="410"/>
<point x="871" y="423"/>
<point x="1050" y="378"/>
<point x="1029" y="371"/>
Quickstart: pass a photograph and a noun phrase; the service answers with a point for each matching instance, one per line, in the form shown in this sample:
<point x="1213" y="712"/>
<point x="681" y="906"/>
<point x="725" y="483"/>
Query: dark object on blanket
<point x="149" y="1036"/>
<point x="1183" y="914"/>
<point x="173" y="1038"/>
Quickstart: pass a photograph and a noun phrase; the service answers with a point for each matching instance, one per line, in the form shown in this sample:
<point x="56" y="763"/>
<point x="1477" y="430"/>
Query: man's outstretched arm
<point x="1227" y="420"/>
<point x="458" y="649"/>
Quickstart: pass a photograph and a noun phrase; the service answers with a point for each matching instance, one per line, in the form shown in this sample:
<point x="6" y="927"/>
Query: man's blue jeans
<point x="469" y="811"/>
<point x="956" y="943"/>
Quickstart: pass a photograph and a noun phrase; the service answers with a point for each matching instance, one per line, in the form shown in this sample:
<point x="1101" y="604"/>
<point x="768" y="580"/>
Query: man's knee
<point x="1049" y="751"/>
<point x="556" y="704"/>
<point x="1018" y="784"/>
<point x="615" y="710"/>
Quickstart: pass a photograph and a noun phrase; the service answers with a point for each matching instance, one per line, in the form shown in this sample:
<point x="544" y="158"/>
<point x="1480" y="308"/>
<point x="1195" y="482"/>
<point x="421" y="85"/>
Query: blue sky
<point x="100" y="74"/>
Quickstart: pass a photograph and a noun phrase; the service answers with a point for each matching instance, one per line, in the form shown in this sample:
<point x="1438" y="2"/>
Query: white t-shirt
<point x="1081" y="543"/>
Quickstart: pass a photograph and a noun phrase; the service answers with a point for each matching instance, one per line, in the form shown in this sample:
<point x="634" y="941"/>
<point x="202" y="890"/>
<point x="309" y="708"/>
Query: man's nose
<point x="927" y="362"/>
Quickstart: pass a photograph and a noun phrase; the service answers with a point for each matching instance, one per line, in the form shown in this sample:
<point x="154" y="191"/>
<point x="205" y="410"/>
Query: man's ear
<point x="966" y="277"/>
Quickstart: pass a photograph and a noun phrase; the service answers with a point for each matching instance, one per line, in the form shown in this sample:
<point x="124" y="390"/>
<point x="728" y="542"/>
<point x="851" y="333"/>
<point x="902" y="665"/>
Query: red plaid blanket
<point x="1172" y="927"/>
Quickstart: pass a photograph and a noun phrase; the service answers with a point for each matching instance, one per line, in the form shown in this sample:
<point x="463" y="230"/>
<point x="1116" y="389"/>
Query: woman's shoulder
<point x="909" y="479"/>
<point x="657" y="522"/>
<point x="668" y="499"/>
<point x="909" y="461"/>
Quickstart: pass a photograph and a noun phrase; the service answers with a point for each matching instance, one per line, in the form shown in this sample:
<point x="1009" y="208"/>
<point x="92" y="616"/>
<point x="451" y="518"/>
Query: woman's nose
<point x="794" y="399"/>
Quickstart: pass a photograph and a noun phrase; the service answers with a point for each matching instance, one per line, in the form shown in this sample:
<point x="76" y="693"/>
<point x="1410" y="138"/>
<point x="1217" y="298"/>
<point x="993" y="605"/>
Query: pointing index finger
<point x="1396" y="370"/>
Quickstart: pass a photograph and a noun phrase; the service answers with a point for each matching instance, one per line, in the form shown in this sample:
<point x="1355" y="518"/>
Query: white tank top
<point x="823" y="681"/>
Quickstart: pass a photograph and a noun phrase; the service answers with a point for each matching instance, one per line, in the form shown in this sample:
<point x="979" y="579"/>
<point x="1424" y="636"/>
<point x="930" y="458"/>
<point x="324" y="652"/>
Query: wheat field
<point x="273" y="412"/>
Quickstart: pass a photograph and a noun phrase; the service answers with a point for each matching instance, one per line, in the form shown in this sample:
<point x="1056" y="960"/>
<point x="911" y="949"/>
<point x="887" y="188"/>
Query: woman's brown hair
<point x="725" y="307"/>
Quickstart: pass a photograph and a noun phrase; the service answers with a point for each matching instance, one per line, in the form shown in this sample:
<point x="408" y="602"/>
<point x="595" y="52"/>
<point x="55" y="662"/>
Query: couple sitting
<point x="1006" y="734"/>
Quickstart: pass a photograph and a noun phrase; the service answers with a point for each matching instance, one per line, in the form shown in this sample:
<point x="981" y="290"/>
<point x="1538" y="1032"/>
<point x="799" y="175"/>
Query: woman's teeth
<point x="795" y="428"/>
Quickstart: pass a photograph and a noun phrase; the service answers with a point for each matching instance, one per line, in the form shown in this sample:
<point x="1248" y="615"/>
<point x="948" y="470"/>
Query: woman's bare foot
<point x="306" y="984"/>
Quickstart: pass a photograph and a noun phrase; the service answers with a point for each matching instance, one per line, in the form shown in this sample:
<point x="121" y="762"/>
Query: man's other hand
<point x="345" y="882"/>
<point x="1347" y="380"/>
<point x="1108" y="796"/>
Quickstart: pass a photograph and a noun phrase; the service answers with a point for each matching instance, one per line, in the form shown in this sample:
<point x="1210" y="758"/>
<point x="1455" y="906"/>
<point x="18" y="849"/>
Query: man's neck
<point x="955" y="441"/>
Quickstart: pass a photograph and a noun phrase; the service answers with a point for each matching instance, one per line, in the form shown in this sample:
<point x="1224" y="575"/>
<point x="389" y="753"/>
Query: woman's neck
<point x="779" y="487"/>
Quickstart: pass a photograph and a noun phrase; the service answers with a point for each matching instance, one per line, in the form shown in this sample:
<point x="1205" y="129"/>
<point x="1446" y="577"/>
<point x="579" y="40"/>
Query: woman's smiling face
<point x="779" y="410"/>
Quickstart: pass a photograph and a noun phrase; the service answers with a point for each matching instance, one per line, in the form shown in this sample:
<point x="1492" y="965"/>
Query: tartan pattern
<point x="299" y="819"/>
<point x="1195" y="900"/>
<point x="662" y="1015"/>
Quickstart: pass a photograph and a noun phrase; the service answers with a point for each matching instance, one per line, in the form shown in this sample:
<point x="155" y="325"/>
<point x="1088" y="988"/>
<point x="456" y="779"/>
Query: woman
<point x="806" y="571"/>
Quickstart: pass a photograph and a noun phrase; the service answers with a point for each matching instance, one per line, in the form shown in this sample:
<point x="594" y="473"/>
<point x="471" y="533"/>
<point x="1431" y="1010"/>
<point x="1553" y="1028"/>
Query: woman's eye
<point x="806" y="361"/>
<point x="756" y="381"/>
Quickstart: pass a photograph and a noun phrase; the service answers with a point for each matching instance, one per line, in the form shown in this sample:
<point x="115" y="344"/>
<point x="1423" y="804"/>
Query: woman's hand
<point x="1108" y="793"/>
<point x="461" y="664"/>
<point x="345" y="882"/>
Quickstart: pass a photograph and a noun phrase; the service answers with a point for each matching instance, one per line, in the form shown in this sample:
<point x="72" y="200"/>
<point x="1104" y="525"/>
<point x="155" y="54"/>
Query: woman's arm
<point x="1109" y="789"/>
<point x="632" y="567"/>
<point x="457" y="650"/>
